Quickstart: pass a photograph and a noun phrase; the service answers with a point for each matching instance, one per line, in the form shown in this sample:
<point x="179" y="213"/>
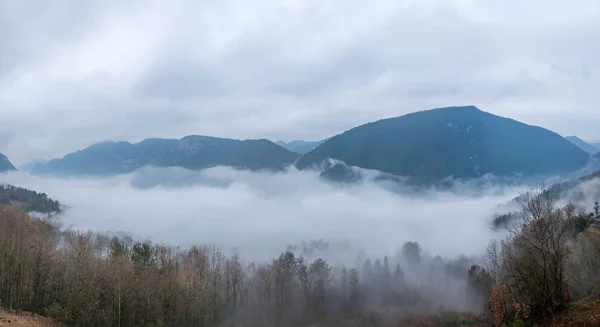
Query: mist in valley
<point x="259" y="213"/>
<point x="256" y="216"/>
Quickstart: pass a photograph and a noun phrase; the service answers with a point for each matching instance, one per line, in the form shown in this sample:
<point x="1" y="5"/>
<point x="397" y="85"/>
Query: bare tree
<point x="532" y="261"/>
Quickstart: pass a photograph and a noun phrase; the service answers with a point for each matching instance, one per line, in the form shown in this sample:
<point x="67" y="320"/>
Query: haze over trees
<point x="94" y="280"/>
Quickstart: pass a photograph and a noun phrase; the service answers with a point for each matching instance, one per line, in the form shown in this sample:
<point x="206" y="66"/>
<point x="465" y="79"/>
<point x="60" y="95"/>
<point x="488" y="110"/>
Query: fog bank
<point x="260" y="213"/>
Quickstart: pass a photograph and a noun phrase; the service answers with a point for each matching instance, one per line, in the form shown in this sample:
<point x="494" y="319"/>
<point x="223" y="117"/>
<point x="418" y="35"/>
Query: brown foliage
<point x="531" y="264"/>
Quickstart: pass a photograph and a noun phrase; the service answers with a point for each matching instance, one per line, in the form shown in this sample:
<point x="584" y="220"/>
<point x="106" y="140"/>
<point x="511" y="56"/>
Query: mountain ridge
<point x="191" y="152"/>
<point x="428" y="146"/>
<point x="5" y="164"/>
<point x="300" y="146"/>
<point x="28" y="166"/>
<point x="462" y="142"/>
<point x="583" y="145"/>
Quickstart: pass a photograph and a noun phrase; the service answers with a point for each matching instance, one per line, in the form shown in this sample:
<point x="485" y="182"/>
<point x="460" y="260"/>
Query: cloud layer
<point x="73" y="73"/>
<point x="260" y="213"/>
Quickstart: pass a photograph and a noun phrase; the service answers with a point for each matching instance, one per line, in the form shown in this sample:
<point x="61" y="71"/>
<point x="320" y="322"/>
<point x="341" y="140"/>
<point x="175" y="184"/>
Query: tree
<point x="234" y="279"/>
<point x="285" y="270"/>
<point x="398" y="276"/>
<point x="411" y="251"/>
<point x="355" y="295"/>
<point x="386" y="277"/>
<point x="319" y="278"/>
<point x="533" y="259"/>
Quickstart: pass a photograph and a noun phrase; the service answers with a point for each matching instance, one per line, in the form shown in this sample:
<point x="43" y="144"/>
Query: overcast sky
<point x="76" y="72"/>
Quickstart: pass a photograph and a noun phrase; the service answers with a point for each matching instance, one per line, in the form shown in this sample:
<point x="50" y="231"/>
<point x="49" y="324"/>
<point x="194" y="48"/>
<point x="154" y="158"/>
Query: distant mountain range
<point x="191" y="152"/>
<point x="28" y="167"/>
<point x="583" y="145"/>
<point x="300" y="146"/>
<point x="427" y="146"/>
<point x="5" y="164"/>
<point x="463" y="142"/>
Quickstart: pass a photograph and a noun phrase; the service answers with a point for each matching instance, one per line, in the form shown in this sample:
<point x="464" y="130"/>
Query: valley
<point x="305" y="163"/>
<point x="233" y="205"/>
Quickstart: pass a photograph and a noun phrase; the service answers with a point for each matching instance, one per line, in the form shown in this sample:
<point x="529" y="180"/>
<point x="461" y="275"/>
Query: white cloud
<point x="73" y="73"/>
<point x="262" y="213"/>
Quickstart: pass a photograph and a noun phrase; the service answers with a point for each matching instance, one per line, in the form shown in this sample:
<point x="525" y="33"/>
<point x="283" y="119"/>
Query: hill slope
<point x="27" y="167"/>
<point x="5" y="164"/>
<point x="463" y="142"/>
<point x="583" y="145"/>
<point x="192" y="152"/>
<point x="31" y="201"/>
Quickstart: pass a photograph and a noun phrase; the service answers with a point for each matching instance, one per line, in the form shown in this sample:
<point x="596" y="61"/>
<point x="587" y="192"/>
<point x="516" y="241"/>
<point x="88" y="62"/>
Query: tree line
<point x="30" y="200"/>
<point x="89" y="279"/>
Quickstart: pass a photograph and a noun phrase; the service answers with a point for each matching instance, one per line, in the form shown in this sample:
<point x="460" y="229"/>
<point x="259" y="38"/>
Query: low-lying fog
<point x="260" y="213"/>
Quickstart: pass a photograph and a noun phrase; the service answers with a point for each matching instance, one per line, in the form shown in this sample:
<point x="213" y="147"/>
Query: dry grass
<point x="584" y="315"/>
<point x="26" y="320"/>
<point x="445" y="319"/>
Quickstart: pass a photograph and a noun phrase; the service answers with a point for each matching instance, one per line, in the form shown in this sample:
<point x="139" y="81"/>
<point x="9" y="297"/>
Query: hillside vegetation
<point x="463" y="142"/>
<point x="30" y="201"/>
<point x="26" y="320"/>
<point x="191" y="152"/>
<point x="583" y="145"/>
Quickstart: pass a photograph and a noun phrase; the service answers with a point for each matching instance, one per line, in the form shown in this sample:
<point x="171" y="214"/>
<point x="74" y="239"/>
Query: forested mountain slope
<point x="30" y="201"/>
<point x="192" y="152"/>
<point x="583" y="145"/>
<point x="462" y="142"/>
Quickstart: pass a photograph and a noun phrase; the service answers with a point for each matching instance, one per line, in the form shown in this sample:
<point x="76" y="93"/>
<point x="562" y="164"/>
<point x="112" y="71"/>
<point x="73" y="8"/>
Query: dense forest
<point x="89" y="279"/>
<point x="31" y="201"/>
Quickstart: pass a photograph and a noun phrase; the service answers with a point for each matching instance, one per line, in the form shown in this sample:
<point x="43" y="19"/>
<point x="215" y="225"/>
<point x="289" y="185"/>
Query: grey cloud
<point x="182" y="81"/>
<point x="73" y="72"/>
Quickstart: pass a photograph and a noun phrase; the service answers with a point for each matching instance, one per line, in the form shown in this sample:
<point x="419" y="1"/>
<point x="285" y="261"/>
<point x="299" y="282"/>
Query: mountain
<point x="300" y="146"/>
<point x="463" y="142"/>
<point x="5" y="164"/>
<point x="191" y="152"/>
<point x="583" y="145"/>
<point x="592" y="166"/>
<point x="27" y="167"/>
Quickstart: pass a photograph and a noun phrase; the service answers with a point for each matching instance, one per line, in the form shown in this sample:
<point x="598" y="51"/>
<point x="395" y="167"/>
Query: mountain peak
<point x="590" y="149"/>
<point x="459" y="141"/>
<point x="462" y="108"/>
<point x="191" y="152"/>
<point x="300" y="146"/>
<point x="5" y="164"/>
